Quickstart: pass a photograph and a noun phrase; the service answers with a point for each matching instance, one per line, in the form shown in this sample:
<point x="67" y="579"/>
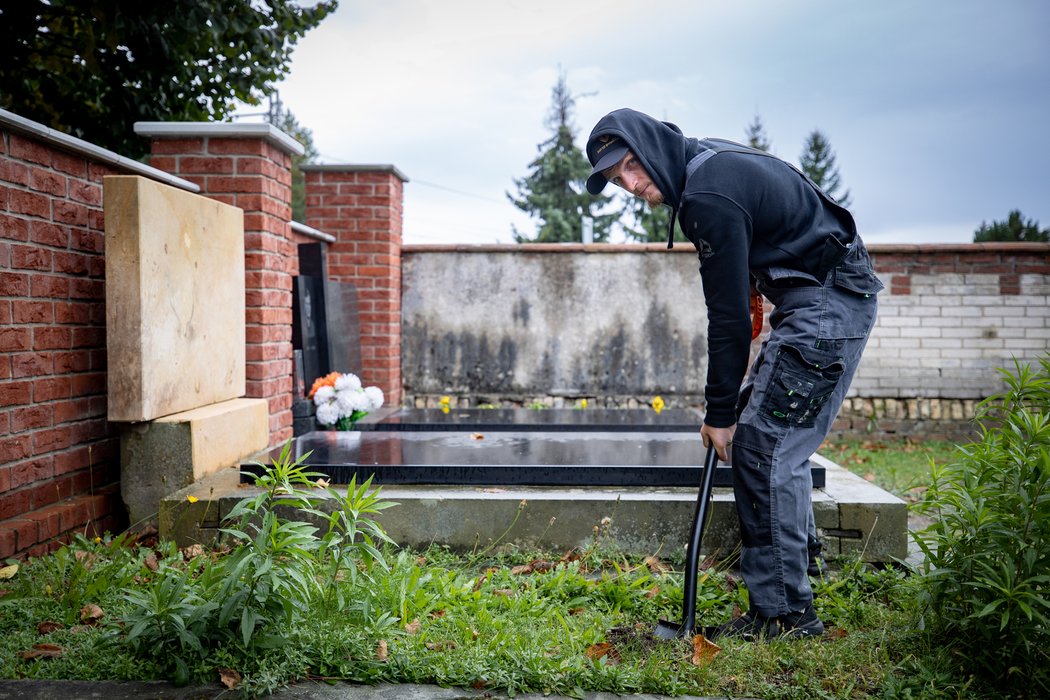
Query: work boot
<point x="753" y="627"/>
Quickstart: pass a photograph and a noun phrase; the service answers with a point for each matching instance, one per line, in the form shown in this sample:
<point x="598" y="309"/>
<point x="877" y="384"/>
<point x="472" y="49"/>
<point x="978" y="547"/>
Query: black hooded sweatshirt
<point x="749" y="215"/>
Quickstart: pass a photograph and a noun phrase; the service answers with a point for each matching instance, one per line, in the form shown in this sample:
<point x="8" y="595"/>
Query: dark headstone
<point x="308" y="333"/>
<point x="507" y="458"/>
<point x="343" y="336"/>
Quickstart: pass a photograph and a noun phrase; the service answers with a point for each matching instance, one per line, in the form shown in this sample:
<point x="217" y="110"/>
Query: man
<point x="758" y="224"/>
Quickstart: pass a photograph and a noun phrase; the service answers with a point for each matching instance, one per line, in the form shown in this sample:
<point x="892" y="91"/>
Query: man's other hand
<point x="721" y="438"/>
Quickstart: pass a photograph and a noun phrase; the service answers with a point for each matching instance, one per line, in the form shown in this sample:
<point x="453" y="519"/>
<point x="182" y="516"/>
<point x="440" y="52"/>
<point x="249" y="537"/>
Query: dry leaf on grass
<point x="8" y="572"/>
<point x="504" y="592"/>
<point x="836" y="633"/>
<point x="229" y="678"/>
<point x="90" y="614"/>
<point x="656" y="566"/>
<point x="603" y="650"/>
<point x="41" y="651"/>
<point x="440" y="646"/>
<point x="48" y="626"/>
<point x="413" y="627"/>
<point x="704" y="651"/>
<point x="194" y="550"/>
<point x="652" y="592"/>
<point x="151" y="562"/>
<point x="382" y="653"/>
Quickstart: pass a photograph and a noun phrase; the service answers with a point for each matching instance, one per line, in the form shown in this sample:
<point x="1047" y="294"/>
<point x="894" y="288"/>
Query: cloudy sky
<point x="938" y="110"/>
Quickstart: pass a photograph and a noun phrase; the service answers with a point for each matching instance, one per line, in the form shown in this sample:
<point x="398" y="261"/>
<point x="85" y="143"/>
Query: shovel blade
<point x="670" y="630"/>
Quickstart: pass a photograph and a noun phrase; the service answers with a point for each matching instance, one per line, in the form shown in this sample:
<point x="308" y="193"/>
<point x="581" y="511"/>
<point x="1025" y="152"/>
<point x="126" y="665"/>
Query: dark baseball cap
<point x="604" y="152"/>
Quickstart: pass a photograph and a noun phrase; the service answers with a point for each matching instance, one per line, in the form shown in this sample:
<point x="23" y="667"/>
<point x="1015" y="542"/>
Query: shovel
<point x="671" y="630"/>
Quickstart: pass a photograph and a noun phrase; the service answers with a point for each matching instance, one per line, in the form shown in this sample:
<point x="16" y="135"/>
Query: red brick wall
<point x="255" y="175"/>
<point x="59" y="462"/>
<point x="362" y="207"/>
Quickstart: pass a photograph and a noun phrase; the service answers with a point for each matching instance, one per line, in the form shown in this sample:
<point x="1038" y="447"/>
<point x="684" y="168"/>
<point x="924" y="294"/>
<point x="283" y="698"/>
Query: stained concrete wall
<point x="616" y="323"/>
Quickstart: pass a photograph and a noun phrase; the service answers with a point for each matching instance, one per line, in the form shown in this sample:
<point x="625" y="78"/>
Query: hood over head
<point x="660" y="146"/>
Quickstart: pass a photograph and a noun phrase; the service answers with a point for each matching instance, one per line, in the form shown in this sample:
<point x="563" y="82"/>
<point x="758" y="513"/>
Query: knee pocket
<point x="800" y="386"/>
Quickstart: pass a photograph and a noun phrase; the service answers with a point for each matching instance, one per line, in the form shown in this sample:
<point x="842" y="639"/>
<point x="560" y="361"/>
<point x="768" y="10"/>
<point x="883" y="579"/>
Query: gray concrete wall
<point x="617" y="324"/>
<point x="612" y="323"/>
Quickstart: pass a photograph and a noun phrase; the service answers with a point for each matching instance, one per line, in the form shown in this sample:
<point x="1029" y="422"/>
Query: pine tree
<point x="818" y="161"/>
<point x="756" y="135"/>
<point x="646" y="224"/>
<point x="1014" y="230"/>
<point x="555" y="191"/>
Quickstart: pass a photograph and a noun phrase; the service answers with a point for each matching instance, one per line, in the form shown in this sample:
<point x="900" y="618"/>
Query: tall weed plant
<point x="986" y="580"/>
<point x="279" y="570"/>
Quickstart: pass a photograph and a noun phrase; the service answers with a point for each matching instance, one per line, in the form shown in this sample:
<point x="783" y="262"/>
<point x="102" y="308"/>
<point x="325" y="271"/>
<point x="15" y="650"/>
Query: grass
<point x="509" y="621"/>
<point x="899" y="465"/>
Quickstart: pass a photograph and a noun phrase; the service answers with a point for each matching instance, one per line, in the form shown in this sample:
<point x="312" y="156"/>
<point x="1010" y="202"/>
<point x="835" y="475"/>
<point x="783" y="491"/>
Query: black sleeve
<point x="721" y="232"/>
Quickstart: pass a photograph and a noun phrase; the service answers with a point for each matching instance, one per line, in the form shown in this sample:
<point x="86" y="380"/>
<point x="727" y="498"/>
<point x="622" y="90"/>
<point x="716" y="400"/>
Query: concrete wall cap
<point x="354" y="168"/>
<point x="311" y="232"/>
<point x="89" y="150"/>
<point x="267" y="132"/>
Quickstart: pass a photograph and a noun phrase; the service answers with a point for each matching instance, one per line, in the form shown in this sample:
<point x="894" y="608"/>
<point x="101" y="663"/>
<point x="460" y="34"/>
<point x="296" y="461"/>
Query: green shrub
<point x="987" y="574"/>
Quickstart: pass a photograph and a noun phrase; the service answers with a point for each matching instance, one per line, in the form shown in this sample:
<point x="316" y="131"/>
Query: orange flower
<point x="327" y="380"/>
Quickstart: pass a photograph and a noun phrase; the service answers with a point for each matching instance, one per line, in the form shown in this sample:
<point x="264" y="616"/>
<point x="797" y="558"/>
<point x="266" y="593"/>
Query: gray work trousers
<point x="787" y="405"/>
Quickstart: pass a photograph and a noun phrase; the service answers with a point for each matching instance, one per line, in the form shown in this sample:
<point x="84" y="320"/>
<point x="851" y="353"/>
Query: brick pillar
<point x="361" y="205"/>
<point x="248" y="166"/>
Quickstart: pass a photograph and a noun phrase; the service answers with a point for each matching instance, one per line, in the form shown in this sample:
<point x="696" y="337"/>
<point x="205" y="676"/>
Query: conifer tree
<point x="756" y="135"/>
<point x="1014" y="230"/>
<point x="818" y="162"/>
<point x="555" y="190"/>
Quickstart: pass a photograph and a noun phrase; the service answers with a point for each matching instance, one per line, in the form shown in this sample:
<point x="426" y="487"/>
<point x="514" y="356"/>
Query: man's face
<point x="631" y="176"/>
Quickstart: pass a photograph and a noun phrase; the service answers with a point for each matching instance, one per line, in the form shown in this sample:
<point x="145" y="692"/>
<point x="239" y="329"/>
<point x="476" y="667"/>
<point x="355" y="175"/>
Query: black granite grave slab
<point x="528" y="420"/>
<point x="507" y="458"/>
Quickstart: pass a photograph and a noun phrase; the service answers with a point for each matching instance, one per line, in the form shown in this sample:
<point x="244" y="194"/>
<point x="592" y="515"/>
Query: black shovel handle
<point x="692" y="553"/>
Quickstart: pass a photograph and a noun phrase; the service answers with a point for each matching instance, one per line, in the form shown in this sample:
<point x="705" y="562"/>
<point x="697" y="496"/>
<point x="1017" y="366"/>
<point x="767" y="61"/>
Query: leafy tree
<point x="92" y="68"/>
<point x="1013" y="230"/>
<point x="555" y="191"/>
<point x="818" y="161"/>
<point x="285" y="121"/>
<point x="756" y="135"/>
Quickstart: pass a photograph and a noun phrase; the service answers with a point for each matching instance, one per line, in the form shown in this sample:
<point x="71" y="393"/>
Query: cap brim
<point x="596" y="181"/>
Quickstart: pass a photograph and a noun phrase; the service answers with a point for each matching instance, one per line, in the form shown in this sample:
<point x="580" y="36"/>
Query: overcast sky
<point x="938" y="110"/>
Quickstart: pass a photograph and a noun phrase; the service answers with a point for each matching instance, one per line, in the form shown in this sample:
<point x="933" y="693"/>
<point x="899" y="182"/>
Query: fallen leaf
<point x="477" y="436"/>
<point x="229" y="678"/>
<point x="151" y="562"/>
<point x="437" y="614"/>
<point x="8" y="572"/>
<point x="479" y="684"/>
<point x="440" y="646"/>
<point x="41" y="651"/>
<point x="570" y="556"/>
<point x="577" y="611"/>
<point x="655" y="565"/>
<point x="541" y="567"/>
<point x="421" y="561"/>
<point x="413" y="627"/>
<point x="504" y="592"/>
<point x="48" y="626"/>
<point x="322" y="483"/>
<point x="603" y="650"/>
<point x="652" y="592"/>
<point x="473" y="633"/>
<point x="91" y="613"/>
<point x="704" y="651"/>
<point x="194" y="550"/>
<point x="836" y="633"/>
<point x="521" y="569"/>
<point x="381" y="650"/>
<point x="869" y="476"/>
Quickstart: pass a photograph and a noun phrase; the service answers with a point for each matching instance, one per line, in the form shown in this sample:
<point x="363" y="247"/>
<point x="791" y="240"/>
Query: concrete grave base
<point x="852" y="515"/>
<point x="169" y="453"/>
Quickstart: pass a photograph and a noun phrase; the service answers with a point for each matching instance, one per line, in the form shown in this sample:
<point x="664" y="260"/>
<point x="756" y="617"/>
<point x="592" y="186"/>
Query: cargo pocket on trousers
<point x="800" y="387"/>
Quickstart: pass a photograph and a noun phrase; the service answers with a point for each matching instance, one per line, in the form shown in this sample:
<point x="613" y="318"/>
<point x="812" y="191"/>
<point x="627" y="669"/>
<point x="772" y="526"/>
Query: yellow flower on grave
<point x="444" y="409"/>
<point x="192" y="499"/>
<point x="658" y="404"/>
<point x="445" y="401"/>
<point x="583" y="403"/>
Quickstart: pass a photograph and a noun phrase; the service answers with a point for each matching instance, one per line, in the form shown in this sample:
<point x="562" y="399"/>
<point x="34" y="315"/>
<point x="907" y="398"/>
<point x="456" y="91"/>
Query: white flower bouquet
<point x="341" y="401"/>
